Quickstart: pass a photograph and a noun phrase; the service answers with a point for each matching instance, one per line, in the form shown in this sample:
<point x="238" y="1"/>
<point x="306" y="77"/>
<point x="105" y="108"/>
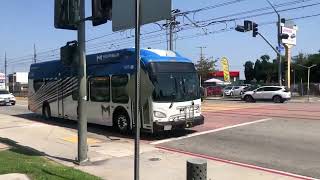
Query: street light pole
<point x="137" y="95"/>
<point x="82" y="99"/>
<point x="309" y="69"/>
<point x="279" y="41"/>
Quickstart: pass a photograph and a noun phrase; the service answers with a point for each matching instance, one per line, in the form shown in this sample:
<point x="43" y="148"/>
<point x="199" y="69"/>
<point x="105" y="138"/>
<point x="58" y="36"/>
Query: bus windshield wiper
<point x="173" y="95"/>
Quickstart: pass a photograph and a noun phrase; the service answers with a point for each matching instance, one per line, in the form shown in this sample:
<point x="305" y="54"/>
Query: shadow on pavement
<point x="26" y="150"/>
<point x="106" y="131"/>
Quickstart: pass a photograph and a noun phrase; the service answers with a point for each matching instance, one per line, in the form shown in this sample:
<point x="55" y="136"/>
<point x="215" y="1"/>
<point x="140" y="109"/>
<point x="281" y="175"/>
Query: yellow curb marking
<point x="74" y="139"/>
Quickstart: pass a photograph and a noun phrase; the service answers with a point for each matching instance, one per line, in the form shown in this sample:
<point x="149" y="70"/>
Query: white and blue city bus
<point x="170" y="90"/>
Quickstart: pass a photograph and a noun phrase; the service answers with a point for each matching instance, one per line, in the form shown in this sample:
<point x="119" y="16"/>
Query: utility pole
<point x="201" y="52"/>
<point x="5" y="70"/>
<point x="171" y="24"/>
<point x="279" y="42"/>
<point x="34" y="54"/>
<point x="82" y="99"/>
<point x="137" y="96"/>
<point x="171" y="28"/>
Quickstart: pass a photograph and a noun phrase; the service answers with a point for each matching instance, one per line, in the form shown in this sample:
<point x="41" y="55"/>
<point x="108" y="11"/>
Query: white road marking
<point x="23" y="105"/>
<point x="210" y="131"/>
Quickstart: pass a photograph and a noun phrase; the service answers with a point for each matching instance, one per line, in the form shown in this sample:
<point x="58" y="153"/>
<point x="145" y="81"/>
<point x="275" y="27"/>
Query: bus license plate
<point x="167" y="127"/>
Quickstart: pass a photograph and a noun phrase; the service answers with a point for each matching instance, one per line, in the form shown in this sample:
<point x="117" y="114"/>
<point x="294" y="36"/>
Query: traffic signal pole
<point x="82" y="111"/>
<point x="275" y="50"/>
<point x="279" y="43"/>
<point x="279" y="54"/>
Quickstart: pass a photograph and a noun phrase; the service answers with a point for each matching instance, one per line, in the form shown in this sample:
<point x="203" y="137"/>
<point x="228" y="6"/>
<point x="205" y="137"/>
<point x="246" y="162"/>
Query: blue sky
<point x="24" y="23"/>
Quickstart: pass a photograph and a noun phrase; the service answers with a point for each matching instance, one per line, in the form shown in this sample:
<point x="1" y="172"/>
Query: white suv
<point x="277" y="94"/>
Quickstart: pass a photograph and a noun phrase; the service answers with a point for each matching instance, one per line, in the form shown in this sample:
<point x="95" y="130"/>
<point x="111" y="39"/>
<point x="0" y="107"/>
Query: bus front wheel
<point x="121" y="122"/>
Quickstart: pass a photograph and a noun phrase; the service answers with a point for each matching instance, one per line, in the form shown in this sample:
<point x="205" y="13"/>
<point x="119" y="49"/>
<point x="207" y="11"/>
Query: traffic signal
<point x="254" y="29"/>
<point x="101" y="11"/>
<point x="284" y="36"/>
<point x="247" y="25"/>
<point x="240" y="28"/>
<point x="68" y="53"/>
<point x="66" y="14"/>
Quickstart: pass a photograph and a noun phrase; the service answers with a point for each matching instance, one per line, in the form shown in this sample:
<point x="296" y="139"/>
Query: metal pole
<point x="279" y="55"/>
<point x="308" y="84"/>
<point x="294" y="78"/>
<point x="301" y="87"/>
<point x="82" y="122"/>
<point x="275" y="50"/>
<point x="279" y="41"/>
<point x="137" y="97"/>
<point x="34" y="53"/>
<point x="171" y="26"/>
<point x="5" y="70"/>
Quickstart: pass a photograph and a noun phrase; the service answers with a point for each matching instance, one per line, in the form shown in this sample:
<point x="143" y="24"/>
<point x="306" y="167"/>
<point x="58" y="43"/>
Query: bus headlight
<point x="159" y="114"/>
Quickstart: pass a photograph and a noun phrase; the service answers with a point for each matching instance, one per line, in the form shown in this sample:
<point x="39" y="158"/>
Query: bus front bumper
<point x="172" y="125"/>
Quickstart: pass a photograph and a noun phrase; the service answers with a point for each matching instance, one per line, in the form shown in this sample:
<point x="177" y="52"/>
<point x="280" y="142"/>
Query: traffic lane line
<point x="307" y="115"/>
<point x="283" y="173"/>
<point x="209" y="131"/>
<point x="22" y="105"/>
<point x="219" y="120"/>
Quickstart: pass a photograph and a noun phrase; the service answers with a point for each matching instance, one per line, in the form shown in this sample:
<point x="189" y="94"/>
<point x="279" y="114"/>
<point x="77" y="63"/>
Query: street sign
<point x="123" y="13"/>
<point x="292" y="35"/>
<point x="225" y="67"/>
<point x="281" y="49"/>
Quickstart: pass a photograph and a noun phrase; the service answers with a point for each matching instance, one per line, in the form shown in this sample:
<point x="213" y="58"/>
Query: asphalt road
<point x="289" y="142"/>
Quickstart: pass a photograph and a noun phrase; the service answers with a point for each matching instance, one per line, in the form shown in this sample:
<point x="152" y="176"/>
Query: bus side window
<point x="119" y="90"/>
<point x="37" y="84"/>
<point x="75" y="94"/>
<point x="100" y="89"/>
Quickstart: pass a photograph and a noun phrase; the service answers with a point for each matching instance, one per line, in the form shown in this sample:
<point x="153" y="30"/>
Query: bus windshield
<point x="178" y="87"/>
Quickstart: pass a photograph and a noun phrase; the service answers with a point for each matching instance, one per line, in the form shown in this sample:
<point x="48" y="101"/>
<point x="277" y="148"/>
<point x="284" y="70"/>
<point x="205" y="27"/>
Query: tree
<point x="204" y="66"/>
<point x="258" y="74"/>
<point x="249" y="71"/>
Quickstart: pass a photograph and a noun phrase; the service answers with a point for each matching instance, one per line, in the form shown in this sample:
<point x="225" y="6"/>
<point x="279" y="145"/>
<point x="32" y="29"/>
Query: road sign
<point x="292" y="33"/>
<point x="225" y="67"/>
<point x="281" y="49"/>
<point x="123" y="12"/>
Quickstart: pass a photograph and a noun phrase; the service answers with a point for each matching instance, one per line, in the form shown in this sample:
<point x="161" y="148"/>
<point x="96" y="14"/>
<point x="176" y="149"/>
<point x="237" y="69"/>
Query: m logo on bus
<point x="105" y="109"/>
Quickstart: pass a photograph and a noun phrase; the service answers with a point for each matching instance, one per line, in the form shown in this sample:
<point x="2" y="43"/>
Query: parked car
<point x="233" y="90"/>
<point x="7" y="98"/>
<point x="214" y="91"/>
<point x="277" y="94"/>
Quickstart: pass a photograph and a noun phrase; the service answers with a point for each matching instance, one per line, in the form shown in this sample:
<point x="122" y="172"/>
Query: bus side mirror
<point x="66" y="14"/>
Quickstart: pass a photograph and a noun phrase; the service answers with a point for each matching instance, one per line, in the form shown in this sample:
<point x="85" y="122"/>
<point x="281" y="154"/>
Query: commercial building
<point x="18" y="83"/>
<point x="234" y="75"/>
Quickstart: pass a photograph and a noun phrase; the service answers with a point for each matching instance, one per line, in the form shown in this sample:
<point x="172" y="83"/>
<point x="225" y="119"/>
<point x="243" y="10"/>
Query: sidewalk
<point x="113" y="159"/>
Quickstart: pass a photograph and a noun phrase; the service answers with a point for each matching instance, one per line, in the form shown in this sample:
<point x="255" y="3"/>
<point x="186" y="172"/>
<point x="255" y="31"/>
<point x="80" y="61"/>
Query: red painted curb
<point x="238" y="164"/>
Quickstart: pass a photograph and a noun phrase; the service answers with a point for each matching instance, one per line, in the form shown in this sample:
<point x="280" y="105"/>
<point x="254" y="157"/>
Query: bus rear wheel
<point x="121" y="122"/>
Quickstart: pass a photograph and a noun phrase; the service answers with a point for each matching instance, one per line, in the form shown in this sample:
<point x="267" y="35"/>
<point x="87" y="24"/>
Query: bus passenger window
<point x="119" y="90"/>
<point x="37" y="84"/>
<point x="100" y="89"/>
<point x="75" y="94"/>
